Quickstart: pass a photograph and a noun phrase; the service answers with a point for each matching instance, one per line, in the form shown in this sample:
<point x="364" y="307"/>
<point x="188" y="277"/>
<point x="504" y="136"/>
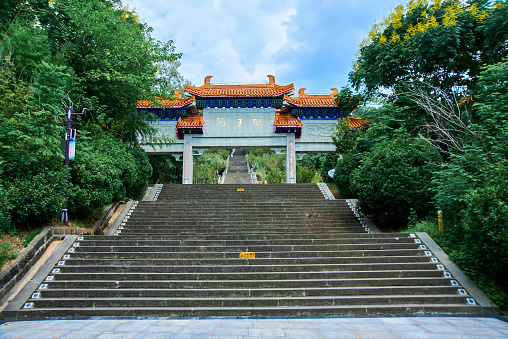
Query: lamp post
<point x="70" y="152"/>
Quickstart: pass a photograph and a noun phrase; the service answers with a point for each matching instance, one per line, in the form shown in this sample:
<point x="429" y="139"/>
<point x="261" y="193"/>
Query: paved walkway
<point x="394" y="327"/>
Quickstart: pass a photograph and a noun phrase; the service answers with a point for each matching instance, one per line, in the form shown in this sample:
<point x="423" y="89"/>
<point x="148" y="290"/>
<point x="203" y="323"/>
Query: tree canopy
<point x="441" y="43"/>
<point x="60" y="53"/>
<point x="435" y="74"/>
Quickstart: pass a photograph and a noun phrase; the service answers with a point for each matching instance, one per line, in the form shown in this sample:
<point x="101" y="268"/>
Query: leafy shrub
<point x="272" y="166"/>
<point x="142" y="173"/>
<point x="455" y="177"/>
<point x="322" y="162"/>
<point x="343" y="171"/>
<point x="5" y="217"/>
<point x="304" y="174"/>
<point x="485" y="224"/>
<point x="166" y="170"/>
<point x="37" y="198"/>
<point x="394" y="179"/>
<point x="105" y="169"/>
<point x="209" y="166"/>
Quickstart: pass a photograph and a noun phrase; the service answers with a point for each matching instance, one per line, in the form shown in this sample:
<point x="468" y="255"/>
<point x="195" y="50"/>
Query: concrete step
<point x="110" y="269"/>
<point x="316" y="261"/>
<point x="144" y="284"/>
<point x="211" y="250"/>
<point x="252" y="301"/>
<point x="114" y="241"/>
<point x="254" y="312"/>
<point x="243" y="293"/>
<point x="251" y="275"/>
<point x="181" y="256"/>
<point x="235" y="255"/>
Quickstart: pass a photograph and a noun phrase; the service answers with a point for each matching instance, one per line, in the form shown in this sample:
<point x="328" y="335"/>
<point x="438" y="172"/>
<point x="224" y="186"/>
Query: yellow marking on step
<point x="247" y="255"/>
<point x="240" y="189"/>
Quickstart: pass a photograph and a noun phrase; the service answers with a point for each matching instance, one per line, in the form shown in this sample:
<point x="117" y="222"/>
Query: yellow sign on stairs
<point x="247" y="255"/>
<point x="240" y="189"/>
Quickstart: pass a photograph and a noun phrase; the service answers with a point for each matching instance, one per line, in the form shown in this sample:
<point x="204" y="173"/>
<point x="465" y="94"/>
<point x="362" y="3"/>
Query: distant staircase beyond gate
<point x="238" y="172"/>
<point x="244" y="251"/>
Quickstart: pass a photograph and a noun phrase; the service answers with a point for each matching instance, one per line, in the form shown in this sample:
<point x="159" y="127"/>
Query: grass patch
<point x="30" y="236"/>
<point x="11" y="244"/>
<point x="8" y="252"/>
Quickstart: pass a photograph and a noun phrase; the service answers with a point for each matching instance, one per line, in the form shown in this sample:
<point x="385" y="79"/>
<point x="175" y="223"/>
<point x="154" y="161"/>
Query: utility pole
<point x="70" y="151"/>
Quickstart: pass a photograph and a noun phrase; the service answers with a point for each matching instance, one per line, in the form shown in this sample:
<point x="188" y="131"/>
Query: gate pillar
<point x="290" y="159"/>
<point x="188" y="161"/>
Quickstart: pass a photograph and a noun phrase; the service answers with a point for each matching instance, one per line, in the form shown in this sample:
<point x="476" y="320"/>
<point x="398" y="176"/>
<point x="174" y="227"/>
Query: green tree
<point x="113" y="57"/>
<point x="342" y="178"/>
<point x="166" y="170"/>
<point x="270" y="165"/>
<point x="441" y="44"/>
<point x="396" y="179"/>
<point x="346" y="100"/>
<point x="321" y="162"/>
<point x="209" y="166"/>
<point x="30" y="134"/>
<point x="105" y="169"/>
<point x="492" y="107"/>
<point x="93" y="54"/>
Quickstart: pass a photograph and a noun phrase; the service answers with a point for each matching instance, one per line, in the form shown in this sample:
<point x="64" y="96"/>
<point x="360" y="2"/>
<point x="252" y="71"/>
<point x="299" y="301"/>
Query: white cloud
<point x="310" y="43"/>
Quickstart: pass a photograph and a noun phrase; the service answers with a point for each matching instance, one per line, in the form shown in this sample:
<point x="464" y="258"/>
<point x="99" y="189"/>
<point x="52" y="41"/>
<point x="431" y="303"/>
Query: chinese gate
<point x="248" y="116"/>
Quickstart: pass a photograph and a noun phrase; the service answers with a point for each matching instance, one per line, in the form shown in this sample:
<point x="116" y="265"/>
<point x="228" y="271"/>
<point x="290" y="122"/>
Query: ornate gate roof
<point x="269" y="90"/>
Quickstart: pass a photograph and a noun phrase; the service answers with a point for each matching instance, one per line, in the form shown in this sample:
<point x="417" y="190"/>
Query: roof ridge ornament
<point x="207" y="80"/>
<point x="178" y="94"/>
<point x="301" y="93"/>
<point x="271" y="80"/>
<point x="335" y="91"/>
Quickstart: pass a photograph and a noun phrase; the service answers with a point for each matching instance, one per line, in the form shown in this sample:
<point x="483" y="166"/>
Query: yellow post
<point x="440" y="220"/>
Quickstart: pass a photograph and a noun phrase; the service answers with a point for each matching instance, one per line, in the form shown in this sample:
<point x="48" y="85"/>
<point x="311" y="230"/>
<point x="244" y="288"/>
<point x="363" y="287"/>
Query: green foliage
<point x="304" y="174"/>
<point x="271" y="166"/>
<point x="322" y="162"/>
<point x="442" y="70"/>
<point x="9" y="9"/>
<point x="27" y="46"/>
<point x="7" y="252"/>
<point x="93" y="54"/>
<point x="35" y="198"/>
<point x="30" y="134"/>
<point x="428" y="225"/>
<point x="394" y="179"/>
<point x="142" y="173"/>
<point x="346" y="100"/>
<point x="5" y="217"/>
<point x="342" y="177"/>
<point x="112" y="54"/>
<point x="442" y="45"/>
<point x="485" y="222"/>
<point x="495" y="31"/>
<point x="344" y="138"/>
<point x="105" y="169"/>
<point x="492" y="107"/>
<point x="166" y="170"/>
<point x="209" y="166"/>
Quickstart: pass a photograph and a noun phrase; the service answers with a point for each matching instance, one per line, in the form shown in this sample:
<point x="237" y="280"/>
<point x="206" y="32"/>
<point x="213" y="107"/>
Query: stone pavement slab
<point x="387" y="327"/>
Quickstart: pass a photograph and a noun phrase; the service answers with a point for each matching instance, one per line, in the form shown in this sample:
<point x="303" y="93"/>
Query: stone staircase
<point x="237" y="170"/>
<point x="244" y="251"/>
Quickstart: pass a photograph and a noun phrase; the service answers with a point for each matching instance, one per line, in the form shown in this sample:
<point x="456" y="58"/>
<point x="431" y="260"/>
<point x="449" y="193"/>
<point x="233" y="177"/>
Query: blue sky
<point x="312" y="44"/>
